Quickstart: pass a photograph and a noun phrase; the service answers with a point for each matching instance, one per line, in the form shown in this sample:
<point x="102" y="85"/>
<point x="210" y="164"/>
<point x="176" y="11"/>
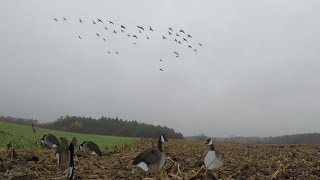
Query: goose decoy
<point x="213" y="159"/>
<point x="140" y="27"/>
<point x="80" y="20"/>
<point x="91" y="148"/>
<point x="182" y="31"/>
<point x="50" y="141"/>
<point x="55" y="19"/>
<point x="170" y="29"/>
<point x="189" y="35"/>
<point x="135" y="36"/>
<point x="93" y="22"/>
<point x="110" y="22"/>
<point x="160" y="69"/>
<point x="99" y="20"/>
<point x="114" y="31"/>
<point x="150" y="28"/>
<point x="200" y="44"/>
<point x="65" y="155"/>
<point x="75" y="144"/>
<point x="163" y="37"/>
<point x="152" y="160"/>
<point x="123" y="27"/>
<point x="185" y="39"/>
<point x="64" y="19"/>
<point x="169" y="33"/>
<point x="105" y="27"/>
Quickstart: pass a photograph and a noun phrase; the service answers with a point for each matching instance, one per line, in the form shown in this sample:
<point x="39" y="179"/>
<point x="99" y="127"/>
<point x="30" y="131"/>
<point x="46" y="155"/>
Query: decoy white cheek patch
<point x="210" y="142"/>
<point x="143" y="166"/>
<point x="70" y="171"/>
<point x="94" y="153"/>
<point x="57" y="156"/>
<point x="54" y="145"/>
<point x="162" y="139"/>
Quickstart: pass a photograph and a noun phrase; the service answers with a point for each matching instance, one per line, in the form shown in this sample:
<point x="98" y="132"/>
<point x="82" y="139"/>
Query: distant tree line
<point x="110" y="126"/>
<point x="307" y="138"/>
<point x="18" y="120"/>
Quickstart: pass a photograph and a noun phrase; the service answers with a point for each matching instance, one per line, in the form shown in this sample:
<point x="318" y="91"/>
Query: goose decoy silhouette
<point x="105" y="27"/>
<point x="170" y="29"/>
<point x="123" y="27"/>
<point x="64" y="19"/>
<point x="185" y="39"/>
<point x="65" y="155"/>
<point x="163" y="37"/>
<point x="93" y="22"/>
<point x="80" y="20"/>
<point x="135" y="36"/>
<point x="150" y="28"/>
<point x="90" y="147"/>
<point x="200" y="44"/>
<point x="213" y="159"/>
<point x="114" y="31"/>
<point x="189" y="35"/>
<point x="152" y="160"/>
<point x="99" y="20"/>
<point x="160" y="69"/>
<point x="97" y="34"/>
<point x="182" y="31"/>
<point x="50" y="141"/>
<point x="55" y="19"/>
<point x="140" y="27"/>
<point x="110" y="22"/>
<point x="177" y="34"/>
<point x="169" y="33"/>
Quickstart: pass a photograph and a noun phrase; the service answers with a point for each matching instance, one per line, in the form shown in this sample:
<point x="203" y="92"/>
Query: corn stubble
<point x="184" y="161"/>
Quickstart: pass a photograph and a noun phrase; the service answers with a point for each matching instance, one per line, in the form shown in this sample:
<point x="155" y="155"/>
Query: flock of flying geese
<point x="151" y="160"/>
<point x="179" y="36"/>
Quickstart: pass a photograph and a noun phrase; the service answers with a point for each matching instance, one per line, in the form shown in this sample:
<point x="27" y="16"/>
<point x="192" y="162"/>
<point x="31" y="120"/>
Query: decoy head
<point x="209" y="142"/>
<point x="163" y="138"/>
<point x="81" y="145"/>
<point x="42" y="140"/>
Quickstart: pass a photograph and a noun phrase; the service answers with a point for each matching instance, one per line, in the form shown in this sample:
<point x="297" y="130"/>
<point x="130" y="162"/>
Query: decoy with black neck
<point x="213" y="159"/>
<point x="152" y="160"/>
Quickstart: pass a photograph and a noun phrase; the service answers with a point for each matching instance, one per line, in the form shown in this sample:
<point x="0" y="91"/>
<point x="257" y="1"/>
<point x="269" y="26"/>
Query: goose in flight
<point x="189" y="35"/>
<point x="123" y="27"/>
<point x="135" y="36"/>
<point x="150" y="28"/>
<point x="105" y="27"/>
<point x="185" y="39"/>
<point x="99" y="20"/>
<point x="94" y="22"/>
<point x="64" y="19"/>
<point x="182" y="31"/>
<point x="110" y="22"/>
<point x="169" y="33"/>
<point x="55" y="19"/>
<point x="80" y="20"/>
<point x="170" y="29"/>
<point x="140" y="27"/>
<point x="163" y="37"/>
<point x="114" y="31"/>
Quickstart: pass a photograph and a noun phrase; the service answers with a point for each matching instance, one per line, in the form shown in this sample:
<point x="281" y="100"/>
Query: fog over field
<point x="257" y="73"/>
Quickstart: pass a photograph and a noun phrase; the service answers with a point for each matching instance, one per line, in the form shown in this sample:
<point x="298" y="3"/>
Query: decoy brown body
<point x="90" y="148"/>
<point x="152" y="160"/>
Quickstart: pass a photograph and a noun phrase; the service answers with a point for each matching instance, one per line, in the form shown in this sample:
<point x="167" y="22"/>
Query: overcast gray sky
<point x="256" y="74"/>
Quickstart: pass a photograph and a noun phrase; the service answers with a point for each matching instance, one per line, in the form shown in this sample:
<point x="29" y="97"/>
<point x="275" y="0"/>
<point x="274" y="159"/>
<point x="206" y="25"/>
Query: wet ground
<point x="241" y="162"/>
